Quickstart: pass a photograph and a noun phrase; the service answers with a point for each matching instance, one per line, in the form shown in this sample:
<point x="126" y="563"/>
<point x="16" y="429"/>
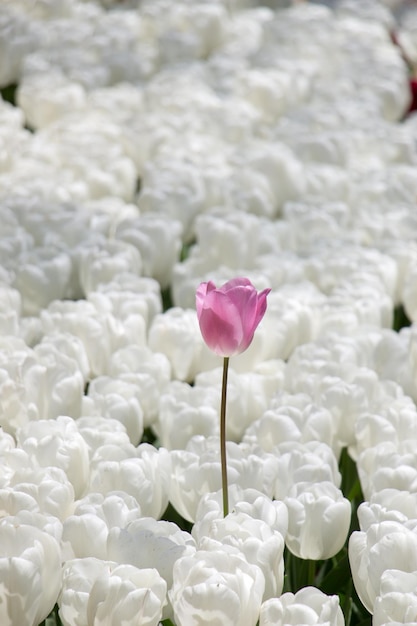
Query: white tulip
<point x="196" y="471"/>
<point x="105" y="592"/>
<point x="147" y="543"/>
<point x="186" y="411"/>
<point x="57" y="443"/>
<point x="308" y="606"/>
<point x="99" y="431"/>
<point x="176" y="334"/>
<point x="117" y="399"/>
<point x="397" y="600"/>
<point x="304" y="463"/>
<point x="145" y="475"/>
<point x="30" y="566"/>
<point x="249" y="501"/>
<point x="318" y="520"/>
<point x="127" y="595"/>
<point x="256" y="541"/>
<point x="387" y="545"/>
<point x="288" y="422"/>
<point x="49" y="486"/>
<point x="216" y="588"/>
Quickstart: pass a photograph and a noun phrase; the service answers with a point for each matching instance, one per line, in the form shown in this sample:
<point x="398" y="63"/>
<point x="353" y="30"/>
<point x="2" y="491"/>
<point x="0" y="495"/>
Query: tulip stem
<point x="223" y="438"/>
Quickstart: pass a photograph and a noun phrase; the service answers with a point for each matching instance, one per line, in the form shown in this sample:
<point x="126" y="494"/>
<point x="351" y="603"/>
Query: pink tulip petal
<point x="201" y="293"/>
<point x="220" y="324"/>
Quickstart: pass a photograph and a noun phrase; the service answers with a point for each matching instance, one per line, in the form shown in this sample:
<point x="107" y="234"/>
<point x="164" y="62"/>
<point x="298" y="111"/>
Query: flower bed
<point x="147" y="147"/>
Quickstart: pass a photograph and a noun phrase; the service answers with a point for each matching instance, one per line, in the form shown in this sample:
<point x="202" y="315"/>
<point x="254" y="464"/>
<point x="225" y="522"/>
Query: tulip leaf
<point x="167" y="622"/>
<point x="338" y="577"/>
<point x="400" y="318"/>
<point x="166" y="299"/>
<point x="8" y="93"/>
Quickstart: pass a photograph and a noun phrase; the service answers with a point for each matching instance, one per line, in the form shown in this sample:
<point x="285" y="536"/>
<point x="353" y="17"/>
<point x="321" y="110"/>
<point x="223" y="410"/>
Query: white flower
<point x="57" y="443"/>
<point x="318" y="520"/>
<point x="307" y="606"/>
<point x="147" y="543"/>
<point x="311" y="462"/>
<point x="176" y="334"/>
<point x="100" y="332"/>
<point x="255" y="540"/>
<point x="43" y="275"/>
<point x="293" y="418"/>
<point x="49" y="486"/>
<point x="117" y="399"/>
<point x="30" y="563"/>
<point x="389" y="504"/>
<point x="149" y="371"/>
<point x="249" y="501"/>
<point x="103" y="262"/>
<point x="130" y="295"/>
<point x="127" y="595"/>
<point x="388" y="466"/>
<point x="144" y="474"/>
<point x="186" y="411"/>
<point x="397" y="600"/>
<point x="387" y="545"/>
<point x="196" y="471"/>
<point x="95" y="591"/>
<point x="216" y="588"/>
<point x="158" y="240"/>
<point x="248" y="394"/>
<point x="86" y="531"/>
<point x="100" y="431"/>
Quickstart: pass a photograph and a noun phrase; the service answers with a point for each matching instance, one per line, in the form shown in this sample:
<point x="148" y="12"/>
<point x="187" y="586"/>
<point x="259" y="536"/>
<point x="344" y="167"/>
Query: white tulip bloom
<point x="149" y="371"/>
<point x="144" y="474"/>
<point x="311" y="462"/>
<point x="127" y="595"/>
<point x="216" y="588"/>
<point x="249" y="501"/>
<point x="57" y="443"/>
<point x="85" y="532"/>
<point x="158" y="240"/>
<point x="132" y="294"/>
<point x="147" y="543"/>
<point x="389" y="504"/>
<point x="100" y="332"/>
<point x="387" y="545"/>
<point x="116" y="399"/>
<point x="255" y="540"/>
<point x="43" y="275"/>
<point x="397" y="600"/>
<point x="186" y="411"/>
<point x="49" y="486"/>
<point x="308" y="606"/>
<point x="176" y="334"/>
<point x="196" y="471"/>
<point x="101" y="431"/>
<point x="318" y="520"/>
<point x="248" y="393"/>
<point x="30" y="566"/>
<point x="96" y="591"/>
<point x="125" y="307"/>
<point x="388" y="466"/>
<point x="293" y="419"/>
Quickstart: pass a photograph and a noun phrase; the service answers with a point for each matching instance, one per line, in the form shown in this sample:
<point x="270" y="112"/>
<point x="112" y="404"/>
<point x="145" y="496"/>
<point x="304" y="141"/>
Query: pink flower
<point x="229" y="316"/>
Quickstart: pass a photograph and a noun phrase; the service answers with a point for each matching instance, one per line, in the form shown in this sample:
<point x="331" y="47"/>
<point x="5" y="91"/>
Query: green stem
<point x="223" y="438"/>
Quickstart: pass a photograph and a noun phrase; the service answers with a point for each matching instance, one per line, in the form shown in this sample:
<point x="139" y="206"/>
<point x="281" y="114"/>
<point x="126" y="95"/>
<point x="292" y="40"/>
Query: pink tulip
<point x="229" y="316"/>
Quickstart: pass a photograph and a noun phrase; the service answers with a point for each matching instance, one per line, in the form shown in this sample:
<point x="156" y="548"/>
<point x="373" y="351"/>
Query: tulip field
<point x="208" y="312"/>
